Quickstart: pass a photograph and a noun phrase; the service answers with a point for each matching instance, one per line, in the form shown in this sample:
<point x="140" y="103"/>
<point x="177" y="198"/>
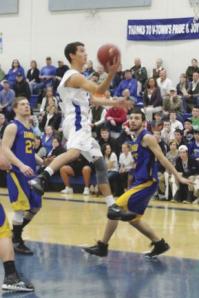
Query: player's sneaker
<point x="159" y="247"/>
<point x="117" y="213"/>
<point x="86" y="191"/>
<point x="13" y="283"/>
<point x="38" y="184"/>
<point x="67" y="190"/>
<point x="21" y="248"/>
<point x="100" y="249"/>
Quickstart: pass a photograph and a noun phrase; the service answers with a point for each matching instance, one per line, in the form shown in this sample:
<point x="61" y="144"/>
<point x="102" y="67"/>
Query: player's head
<point x="75" y="51"/>
<point x="21" y="106"/>
<point x="136" y="119"/>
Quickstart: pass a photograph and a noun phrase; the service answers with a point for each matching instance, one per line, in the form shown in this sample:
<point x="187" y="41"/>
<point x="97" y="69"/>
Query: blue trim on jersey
<point x="2" y="216"/>
<point x="78" y="117"/>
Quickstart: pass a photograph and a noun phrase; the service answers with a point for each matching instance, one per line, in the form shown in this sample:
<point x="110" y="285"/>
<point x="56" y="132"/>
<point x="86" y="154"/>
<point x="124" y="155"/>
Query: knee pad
<point x="101" y="171"/>
<point x="18" y="216"/>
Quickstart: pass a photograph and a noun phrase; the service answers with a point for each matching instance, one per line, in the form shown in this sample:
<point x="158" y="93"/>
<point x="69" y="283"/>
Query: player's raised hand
<point x="114" y="66"/>
<point x="26" y="170"/>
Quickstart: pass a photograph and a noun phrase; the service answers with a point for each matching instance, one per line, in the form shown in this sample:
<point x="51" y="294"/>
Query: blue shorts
<point x="20" y="194"/>
<point x="138" y="196"/>
<point x="5" y="231"/>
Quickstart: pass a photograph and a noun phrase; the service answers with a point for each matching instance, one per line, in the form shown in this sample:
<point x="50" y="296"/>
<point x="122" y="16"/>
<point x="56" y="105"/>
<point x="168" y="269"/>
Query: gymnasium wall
<point x="35" y="33"/>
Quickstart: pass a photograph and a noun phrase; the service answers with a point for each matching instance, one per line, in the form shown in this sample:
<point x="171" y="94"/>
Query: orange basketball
<point x="4" y="164"/>
<point x="107" y="53"/>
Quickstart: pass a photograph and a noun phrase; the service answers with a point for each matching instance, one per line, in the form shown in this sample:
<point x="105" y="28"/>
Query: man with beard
<point x="145" y="151"/>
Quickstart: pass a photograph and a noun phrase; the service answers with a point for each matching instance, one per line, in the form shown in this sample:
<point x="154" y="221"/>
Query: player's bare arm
<point x="7" y="142"/>
<point x="79" y="81"/>
<point x="117" y="102"/>
<point x="150" y="141"/>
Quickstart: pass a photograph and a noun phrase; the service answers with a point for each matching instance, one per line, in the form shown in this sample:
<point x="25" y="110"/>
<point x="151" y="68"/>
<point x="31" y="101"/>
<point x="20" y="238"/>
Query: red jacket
<point x="118" y="114"/>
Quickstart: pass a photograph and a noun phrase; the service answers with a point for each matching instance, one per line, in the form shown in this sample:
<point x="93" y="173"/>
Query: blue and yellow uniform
<point x="20" y="193"/>
<point x="145" y="178"/>
<point x="5" y="231"/>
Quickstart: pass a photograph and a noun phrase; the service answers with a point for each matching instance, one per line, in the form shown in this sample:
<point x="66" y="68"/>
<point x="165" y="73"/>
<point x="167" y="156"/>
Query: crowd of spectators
<point x="172" y="113"/>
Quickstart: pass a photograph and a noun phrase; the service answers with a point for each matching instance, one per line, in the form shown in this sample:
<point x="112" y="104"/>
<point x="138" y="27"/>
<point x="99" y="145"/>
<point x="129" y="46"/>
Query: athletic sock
<point x="110" y="200"/>
<point x="9" y="267"/>
<point x="48" y="172"/>
<point x="17" y="231"/>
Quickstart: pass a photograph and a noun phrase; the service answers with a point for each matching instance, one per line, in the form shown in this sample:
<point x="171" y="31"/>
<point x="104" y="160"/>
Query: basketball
<point x="107" y="53"/>
<point x="4" y="164"/>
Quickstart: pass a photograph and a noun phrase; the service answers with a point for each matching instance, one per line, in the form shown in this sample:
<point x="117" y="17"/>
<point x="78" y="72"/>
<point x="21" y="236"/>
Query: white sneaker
<point x="86" y="191"/>
<point x="196" y="201"/>
<point x="67" y="190"/>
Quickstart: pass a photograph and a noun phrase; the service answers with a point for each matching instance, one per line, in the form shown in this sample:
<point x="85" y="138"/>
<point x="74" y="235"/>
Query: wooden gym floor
<point x="59" y="267"/>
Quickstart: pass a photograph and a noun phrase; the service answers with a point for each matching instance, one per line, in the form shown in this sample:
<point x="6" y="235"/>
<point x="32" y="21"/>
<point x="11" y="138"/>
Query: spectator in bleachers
<point x="41" y="151"/>
<point x="50" y="117"/>
<point x="175" y="124"/>
<point x="94" y="77"/>
<point x="97" y="115"/>
<point x="127" y="83"/>
<point x="126" y="163"/>
<point x="183" y="85"/>
<point x="152" y="98"/>
<point x="194" y="146"/>
<point x="188" y="132"/>
<point x="102" y="74"/>
<point x="112" y="170"/>
<point x="172" y="102"/>
<point x="7" y="96"/>
<point x="105" y="138"/>
<point x="193" y="94"/>
<point x="115" y="117"/>
<point x="119" y="76"/>
<point x="34" y="122"/>
<point x="191" y="69"/>
<point x="79" y="167"/>
<point x="178" y="137"/>
<point x="47" y="74"/>
<point x="171" y="155"/>
<point x="56" y="150"/>
<point x="48" y="100"/>
<point x="89" y="70"/>
<point x="139" y="72"/>
<point x="3" y="124"/>
<point x="158" y="68"/>
<point x="157" y="122"/>
<point x="33" y="76"/>
<point x="2" y="74"/>
<point x="195" y="118"/>
<point x="60" y="71"/>
<point x="127" y="96"/>
<point x="164" y="83"/>
<point x="47" y="138"/>
<point x="21" y="86"/>
<point x="12" y="73"/>
<point x="166" y="133"/>
<point x="187" y="166"/>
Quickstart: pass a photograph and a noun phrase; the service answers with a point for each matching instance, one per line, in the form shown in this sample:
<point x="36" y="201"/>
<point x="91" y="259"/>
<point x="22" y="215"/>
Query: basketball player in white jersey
<point x="76" y="93"/>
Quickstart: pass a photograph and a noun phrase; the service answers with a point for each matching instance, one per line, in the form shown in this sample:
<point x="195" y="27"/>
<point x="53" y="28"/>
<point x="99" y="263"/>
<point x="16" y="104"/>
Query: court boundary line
<point x="103" y="203"/>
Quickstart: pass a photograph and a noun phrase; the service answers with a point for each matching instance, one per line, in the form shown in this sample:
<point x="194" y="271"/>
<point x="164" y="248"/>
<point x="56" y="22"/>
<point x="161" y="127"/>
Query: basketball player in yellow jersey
<point x="76" y="95"/>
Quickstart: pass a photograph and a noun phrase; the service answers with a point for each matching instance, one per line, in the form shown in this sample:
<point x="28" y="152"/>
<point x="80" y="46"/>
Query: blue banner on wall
<point x="163" y="29"/>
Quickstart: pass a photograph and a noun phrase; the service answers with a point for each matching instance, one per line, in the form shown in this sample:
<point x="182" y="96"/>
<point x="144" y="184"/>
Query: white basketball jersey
<point x="75" y="101"/>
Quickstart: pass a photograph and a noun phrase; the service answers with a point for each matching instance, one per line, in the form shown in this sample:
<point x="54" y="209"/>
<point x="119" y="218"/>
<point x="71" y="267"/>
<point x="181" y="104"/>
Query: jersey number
<point x="29" y="146"/>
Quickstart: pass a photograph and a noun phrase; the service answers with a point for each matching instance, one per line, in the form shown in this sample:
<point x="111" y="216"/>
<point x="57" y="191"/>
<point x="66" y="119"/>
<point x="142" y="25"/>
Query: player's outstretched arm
<point x="7" y="142"/>
<point x="150" y="141"/>
<point x="79" y="81"/>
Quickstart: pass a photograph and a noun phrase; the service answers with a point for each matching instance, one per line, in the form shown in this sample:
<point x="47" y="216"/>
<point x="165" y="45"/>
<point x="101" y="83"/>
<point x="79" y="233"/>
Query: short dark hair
<point x="139" y="111"/>
<point x="71" y="48"/>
